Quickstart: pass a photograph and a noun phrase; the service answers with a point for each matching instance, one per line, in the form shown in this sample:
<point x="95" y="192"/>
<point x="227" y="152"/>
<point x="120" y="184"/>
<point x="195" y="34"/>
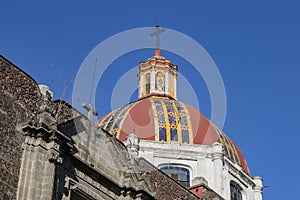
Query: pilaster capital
<point x="217" y="151"/>
<point x="258" y="183"/>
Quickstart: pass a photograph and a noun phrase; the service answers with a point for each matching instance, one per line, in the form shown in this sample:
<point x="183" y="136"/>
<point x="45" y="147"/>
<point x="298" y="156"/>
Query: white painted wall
<point x="203" y="161"/>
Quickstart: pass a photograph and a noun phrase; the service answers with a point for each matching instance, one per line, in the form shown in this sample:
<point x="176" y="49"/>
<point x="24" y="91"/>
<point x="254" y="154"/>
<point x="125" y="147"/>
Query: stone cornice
<point x="48" y="137"/>
<point x="237" y="171"/>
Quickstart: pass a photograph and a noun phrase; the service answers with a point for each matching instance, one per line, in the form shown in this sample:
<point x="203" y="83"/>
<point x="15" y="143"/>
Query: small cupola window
<point x="148" y="84"/>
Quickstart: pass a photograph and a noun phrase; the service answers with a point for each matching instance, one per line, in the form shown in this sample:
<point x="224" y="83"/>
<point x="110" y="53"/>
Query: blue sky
<point x="254" y="44"/>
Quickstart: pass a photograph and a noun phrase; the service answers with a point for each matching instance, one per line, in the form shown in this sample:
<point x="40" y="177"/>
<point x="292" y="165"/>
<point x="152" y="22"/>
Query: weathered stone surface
<point x="20" y="100"/>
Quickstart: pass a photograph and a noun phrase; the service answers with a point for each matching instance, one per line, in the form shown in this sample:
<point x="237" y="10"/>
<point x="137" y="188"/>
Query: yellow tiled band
<point x="233" y="149"/>
<point x="110" y="118"/>
<point x="188" y="118"/>
<point x="168" y="134"/>
<point x="226" y="141"/>
<point x="176" y="114"/>
<point x="112" y="130"/>
<point x="100" y="122"/>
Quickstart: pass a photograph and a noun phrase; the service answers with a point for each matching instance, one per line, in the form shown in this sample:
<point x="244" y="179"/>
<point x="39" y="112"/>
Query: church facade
<point x="154" y="148"/>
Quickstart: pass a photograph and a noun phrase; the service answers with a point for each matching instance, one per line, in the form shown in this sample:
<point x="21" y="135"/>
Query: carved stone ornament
<point x="70" y="184"/>
<point x="47" y="105"/>
<point x="133" y="144"/>
<point x="54" y="157"/>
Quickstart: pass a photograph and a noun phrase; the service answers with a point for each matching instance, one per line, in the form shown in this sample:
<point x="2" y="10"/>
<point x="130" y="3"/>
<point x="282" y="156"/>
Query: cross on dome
<point x="156" y="33"/>
<point x="157" y="76"/>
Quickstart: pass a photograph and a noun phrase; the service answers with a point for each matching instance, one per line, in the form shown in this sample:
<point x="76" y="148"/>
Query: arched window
<point x="179" y="174"/>
<point x="147" y="83"/>
<point x="235" y="191"/>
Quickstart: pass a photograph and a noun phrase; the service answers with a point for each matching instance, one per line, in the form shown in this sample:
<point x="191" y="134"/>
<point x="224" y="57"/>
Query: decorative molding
<point x="236" y="171"/>
<point x="70" y="184"/>
<point x="54" y="156"/>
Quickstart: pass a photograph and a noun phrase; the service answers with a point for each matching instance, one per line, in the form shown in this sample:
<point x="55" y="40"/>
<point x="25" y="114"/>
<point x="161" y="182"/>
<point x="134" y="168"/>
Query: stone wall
<point x="164" y="187"/>
<point x="20" y="100"/>
<point x="50" y="151"/>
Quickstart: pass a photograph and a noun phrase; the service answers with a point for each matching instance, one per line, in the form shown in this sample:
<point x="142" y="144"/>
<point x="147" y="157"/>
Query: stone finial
<point x="47" y="106"/>
<point x="45" y="90"/>
<point x="47" y="97"/>
<point x="133" y="144"/>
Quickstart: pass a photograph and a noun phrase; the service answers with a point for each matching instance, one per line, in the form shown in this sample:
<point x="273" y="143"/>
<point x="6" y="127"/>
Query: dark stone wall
<point x="63" y="112"/>
<point x="164" y="187"/>
<point x="20" y="100"/>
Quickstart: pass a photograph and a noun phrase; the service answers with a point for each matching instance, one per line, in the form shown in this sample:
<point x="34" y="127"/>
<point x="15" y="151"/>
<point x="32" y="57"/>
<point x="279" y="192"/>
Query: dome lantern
<point x="157" y="115"/>
<point x="157" y="76"/>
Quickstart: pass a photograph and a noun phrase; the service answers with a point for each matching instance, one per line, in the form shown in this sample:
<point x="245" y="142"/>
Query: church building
<point x="179" y="140"/>
<point x="154" y="148"/>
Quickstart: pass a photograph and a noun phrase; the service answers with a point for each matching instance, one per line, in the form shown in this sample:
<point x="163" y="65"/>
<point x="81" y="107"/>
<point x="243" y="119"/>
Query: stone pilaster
<point x="36" y="175"/>
<point x="257" y="189"/>
<point x="167" y="82"/>
<point x="141" y="84"/>
<point x="217" y="159"/>
<point x="175" y="87"/>
<point x="42" y="152"/>
<point x="152" y="80"/>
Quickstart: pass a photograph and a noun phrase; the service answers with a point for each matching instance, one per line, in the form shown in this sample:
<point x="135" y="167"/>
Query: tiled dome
<point x="164" y="119"/>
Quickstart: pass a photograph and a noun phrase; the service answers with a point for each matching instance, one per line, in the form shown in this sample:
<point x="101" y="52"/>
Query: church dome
<point x="164" y="119"/>
<point x="158" y="116"/>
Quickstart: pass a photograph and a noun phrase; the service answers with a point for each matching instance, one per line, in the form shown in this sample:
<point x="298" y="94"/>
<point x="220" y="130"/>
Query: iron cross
<point x="156" y="33"/>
